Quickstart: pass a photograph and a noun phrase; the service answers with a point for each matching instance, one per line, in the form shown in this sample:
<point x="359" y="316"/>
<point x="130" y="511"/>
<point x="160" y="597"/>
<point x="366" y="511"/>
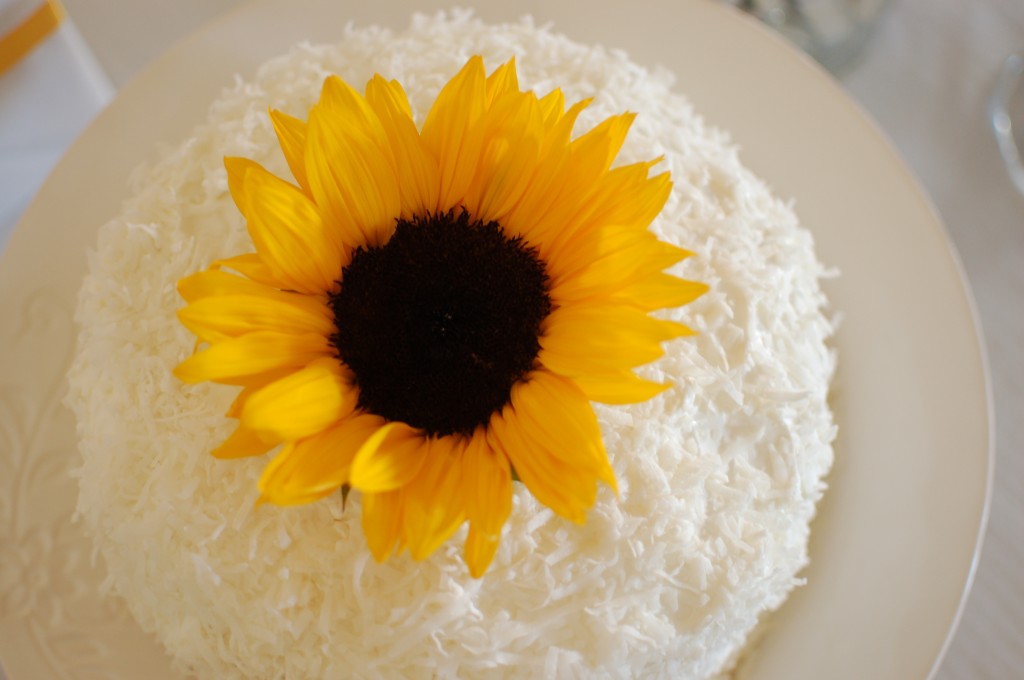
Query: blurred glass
<point x="1006" y="115"/>
<point x="832" y="31"/>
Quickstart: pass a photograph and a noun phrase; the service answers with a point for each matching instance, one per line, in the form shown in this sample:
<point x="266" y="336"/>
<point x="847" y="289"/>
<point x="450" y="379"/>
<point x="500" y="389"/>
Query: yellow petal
<point x="452" y="131"/>
<point x="303" y="403"/>
<point x="244" y="443"/>
<point x="632" y="198"/>
<point x="597" y="148"/>
<point x="602" y="337"/>
<point x="319" y="464"/>
<point x="434" y="506"/>
<point x="583" y="183"/>
<point x="273" y="482"/>
<point x="390" y="459"/>
<point x="351" y="172"/>
<point x="557" y="415"/>
<point x="565" y="179"/>
<point x="235" y="410"/>
<point x="552" y="106"/>
<point x="486" y="484"/>
<point x="418" y="174"/>
<point x="646" y="195"/>
<point x="341" y="99"/>
<point x="624" y="268"/>
<point x="289" y="234"/>
<point x="503" y="80"/>
<point x="258" y="380"/>
<point x="512" y="131"/>
<point x="237" y="168"/>
<point x="561" y="131"/>
<point x="228" y="316"/>
<point x="567" y="490"/>
<point x="382" y="522"/>
<point x="250" y="265"/>
<point x="479" y="550"/>
<point x="621" y="387"/>
<point x="216" y="282"/>
<point x="659" y="291"/>
<point x="487" y="490"/>
<point x="590" y="156"/>
<point x="291" y="135"/>
<point x="623" y="197"/>
<point x="388" y="95"/>
<point x="612" y="254"/>
<point x="252" y="355"/>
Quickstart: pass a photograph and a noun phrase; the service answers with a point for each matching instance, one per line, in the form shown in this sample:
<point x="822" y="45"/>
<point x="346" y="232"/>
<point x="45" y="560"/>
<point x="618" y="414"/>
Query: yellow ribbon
<point x="29" y="33"/>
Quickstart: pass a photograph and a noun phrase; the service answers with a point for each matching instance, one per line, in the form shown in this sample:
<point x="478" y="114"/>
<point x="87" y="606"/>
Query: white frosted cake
<point x="717" y="477"/>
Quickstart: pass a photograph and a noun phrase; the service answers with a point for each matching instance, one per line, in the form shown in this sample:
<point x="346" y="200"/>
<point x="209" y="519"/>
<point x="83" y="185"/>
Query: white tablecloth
<point x="925" y="79"/>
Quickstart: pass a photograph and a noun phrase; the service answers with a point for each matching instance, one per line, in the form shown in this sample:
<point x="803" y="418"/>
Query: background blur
<point x="925" y="76"/>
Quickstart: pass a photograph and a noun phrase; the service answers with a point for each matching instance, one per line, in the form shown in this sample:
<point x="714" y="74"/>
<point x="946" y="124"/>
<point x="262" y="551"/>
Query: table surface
<point x="925" y="79"/>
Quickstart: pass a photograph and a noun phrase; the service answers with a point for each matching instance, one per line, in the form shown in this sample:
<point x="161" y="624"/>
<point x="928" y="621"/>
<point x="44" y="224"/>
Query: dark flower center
<point x="440" y="322"/>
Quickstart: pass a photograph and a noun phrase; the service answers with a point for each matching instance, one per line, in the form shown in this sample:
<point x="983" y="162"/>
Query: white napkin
<point x="46" y="100"/>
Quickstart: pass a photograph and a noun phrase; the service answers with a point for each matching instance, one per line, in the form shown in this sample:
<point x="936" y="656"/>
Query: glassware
<point x="832" y="31"/>
<point x="1007" y="99"/>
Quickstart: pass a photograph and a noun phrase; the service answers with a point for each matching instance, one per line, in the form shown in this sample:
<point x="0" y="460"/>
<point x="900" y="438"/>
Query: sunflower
<point x="430" y="312"/>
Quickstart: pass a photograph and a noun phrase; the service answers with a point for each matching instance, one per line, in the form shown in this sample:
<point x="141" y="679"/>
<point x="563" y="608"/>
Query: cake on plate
<point x="502" y="365"/>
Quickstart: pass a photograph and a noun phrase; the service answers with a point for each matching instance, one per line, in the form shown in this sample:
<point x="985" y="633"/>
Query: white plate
<point x="894" y="548"/>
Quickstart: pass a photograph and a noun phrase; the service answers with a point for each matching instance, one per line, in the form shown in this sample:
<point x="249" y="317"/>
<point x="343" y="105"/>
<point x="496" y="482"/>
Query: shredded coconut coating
<point x="718" y="476"/>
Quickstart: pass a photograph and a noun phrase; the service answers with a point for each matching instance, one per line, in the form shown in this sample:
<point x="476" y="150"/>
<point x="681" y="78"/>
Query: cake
<point x="717" y="477"/>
